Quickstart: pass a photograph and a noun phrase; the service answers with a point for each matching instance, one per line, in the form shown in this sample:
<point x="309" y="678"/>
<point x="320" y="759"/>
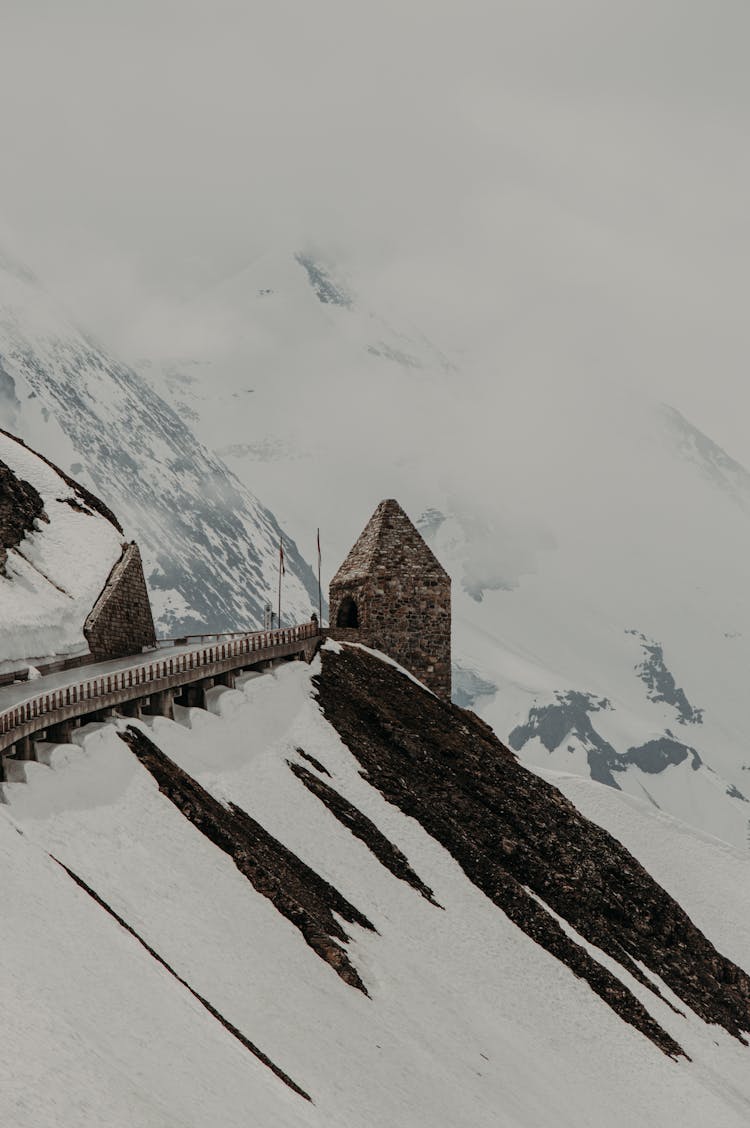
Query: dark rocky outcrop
<point x="86" y="501"/>
<point x="364" y="829"/>
<point x="526" y="846"/>
<point x="326" y="289"/>
<point x="21" y="506"/>
<point x="660" y="683"/>
<point x="663" y="752"/>
<point x="312" y="760"/>
<point x="570" y="716"/>
<point x="468" y="687"/>
<point x="297" y="891"/>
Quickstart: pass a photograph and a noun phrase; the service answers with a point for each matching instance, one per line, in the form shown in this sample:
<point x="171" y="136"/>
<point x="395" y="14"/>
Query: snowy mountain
<point x="210" y="547"/>
<point x="302" y="386"/>
<point x="596" y="538"/>
<point x="619" y="651"/>
<point x="286" y="908"/>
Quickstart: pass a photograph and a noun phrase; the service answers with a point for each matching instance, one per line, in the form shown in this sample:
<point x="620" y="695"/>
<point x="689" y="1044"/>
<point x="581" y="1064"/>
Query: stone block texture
<point x="121" y="622"/>
<point x="391" y="593"/>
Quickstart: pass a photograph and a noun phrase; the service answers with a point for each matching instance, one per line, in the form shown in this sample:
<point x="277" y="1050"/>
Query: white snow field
<point x="55" y="575"/>
<point x="469" y="1025"/>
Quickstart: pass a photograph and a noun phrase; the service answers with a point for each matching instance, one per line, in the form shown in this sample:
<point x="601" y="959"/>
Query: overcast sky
<point x="556" y="183"/>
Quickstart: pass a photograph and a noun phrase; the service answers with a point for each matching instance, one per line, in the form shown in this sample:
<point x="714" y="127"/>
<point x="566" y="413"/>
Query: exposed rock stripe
<point x="204" y="1002"/>
<point x="364" y="829"/>
<point x="509" y="829"/>
<point x="297" y="891"/>
<point x="315" y="763"/>
<point x="21" y="505"/>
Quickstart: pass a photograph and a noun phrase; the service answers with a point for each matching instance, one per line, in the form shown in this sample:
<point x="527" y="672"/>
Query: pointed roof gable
<point x="374" y="548"/>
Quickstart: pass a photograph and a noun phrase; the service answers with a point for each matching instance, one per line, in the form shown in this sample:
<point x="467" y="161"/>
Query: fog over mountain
<point x="553" y="188"/>
<point x="211" y="548"/>
<point x="260" y="268"/>
<point x="596" y="538"/>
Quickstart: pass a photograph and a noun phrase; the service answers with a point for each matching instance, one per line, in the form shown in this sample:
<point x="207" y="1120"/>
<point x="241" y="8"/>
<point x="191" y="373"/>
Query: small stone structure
<point x="121" y="622"/>
<point x="391" y="593"/>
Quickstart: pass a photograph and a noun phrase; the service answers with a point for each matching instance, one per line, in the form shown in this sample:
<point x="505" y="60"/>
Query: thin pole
<point x="281" y="573"/>
<point x="320" y="589"/>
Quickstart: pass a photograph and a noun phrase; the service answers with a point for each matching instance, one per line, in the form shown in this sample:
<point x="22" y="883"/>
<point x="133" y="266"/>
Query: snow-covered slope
<point x="467" y="1022"/>
<point x="56" y="553"/>
<point x="597" y="539"/>
<point x="210" y="548"/>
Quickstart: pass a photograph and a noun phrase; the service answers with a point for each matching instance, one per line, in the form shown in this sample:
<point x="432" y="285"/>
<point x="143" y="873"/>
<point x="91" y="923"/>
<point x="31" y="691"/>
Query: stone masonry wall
<point x="409" y="621"/>
<point x="121" y="622"/>
<point x="403" y="599"/>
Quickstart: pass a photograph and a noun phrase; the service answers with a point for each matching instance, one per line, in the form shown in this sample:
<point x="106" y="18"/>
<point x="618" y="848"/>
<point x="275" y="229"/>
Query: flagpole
<point x="281" y="569"/>
<point x="320" y="589"/>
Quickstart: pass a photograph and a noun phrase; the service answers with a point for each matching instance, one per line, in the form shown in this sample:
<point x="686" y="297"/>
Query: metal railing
<point x="97" y="688"/>
<point x="213" y="636"/>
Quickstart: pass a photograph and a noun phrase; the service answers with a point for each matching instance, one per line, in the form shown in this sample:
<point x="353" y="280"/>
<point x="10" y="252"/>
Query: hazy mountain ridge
<point x="559" y="534"/>
<point x="210" y="548"/>
<point x="708" y="457"/>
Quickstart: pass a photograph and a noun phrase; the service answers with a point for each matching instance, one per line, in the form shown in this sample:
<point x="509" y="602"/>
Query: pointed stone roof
<point x="374" y="549"/>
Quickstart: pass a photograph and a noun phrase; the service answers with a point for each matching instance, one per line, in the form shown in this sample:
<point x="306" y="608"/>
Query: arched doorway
<point x="348" y="615"/>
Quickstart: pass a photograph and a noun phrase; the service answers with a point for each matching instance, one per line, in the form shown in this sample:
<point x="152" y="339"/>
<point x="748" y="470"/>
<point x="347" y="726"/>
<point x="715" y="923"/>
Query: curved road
<point x="32" y="706"/>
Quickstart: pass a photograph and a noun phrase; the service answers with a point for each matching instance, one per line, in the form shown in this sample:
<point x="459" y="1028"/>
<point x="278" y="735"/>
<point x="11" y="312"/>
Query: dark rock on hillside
<point x="663" y="752"/>
<point x="468" y="687"/>
<point x="364" y="829"/>
<point x="314" y="761"/>
<point x="660" y="683"/>
<point x="309" y="902"/>
<point x="526" y="846"/>
<point x="327" y="291"/>
<point x="84" y="501"/>
<point x="20" y="507"/>
<point x="569" y="716"/>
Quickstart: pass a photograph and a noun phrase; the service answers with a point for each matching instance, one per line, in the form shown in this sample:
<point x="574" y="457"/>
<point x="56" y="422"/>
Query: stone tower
<point x="392" y="594"/>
